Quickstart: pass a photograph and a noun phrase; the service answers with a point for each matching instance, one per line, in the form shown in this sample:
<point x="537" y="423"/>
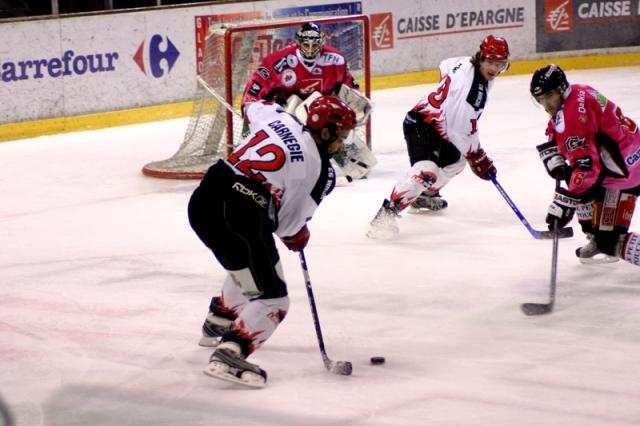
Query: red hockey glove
<point x="298" y="241"/>
<point x="554" y="161"/>
<point x="481" y="164"/>
<point x="561" y="209"/>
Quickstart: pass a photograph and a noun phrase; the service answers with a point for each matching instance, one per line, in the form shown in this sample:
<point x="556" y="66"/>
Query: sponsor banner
<point x="335" y="9"/>
<point x="76" y="65"/>
<point x="381" y="31"/>
<point x="563" y="25"/>
<point x="421" y="34"/>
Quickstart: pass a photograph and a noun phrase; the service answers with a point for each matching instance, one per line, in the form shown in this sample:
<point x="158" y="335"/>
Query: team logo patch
<point x="264" y="72"/>
<point x="292" y="61"/>
<point x="280" y="65"/>
<point x="288" y="78"/>
<point x="600" y="98"/>
<point x="255" y="88"/>
<point x="633" y="158"/>
<point x="574" y="142"/>
<point x="308" y="86"/>
<point x="426" y="179"/>
<point x="329" y="58"/>
<point x="584" y="163"/>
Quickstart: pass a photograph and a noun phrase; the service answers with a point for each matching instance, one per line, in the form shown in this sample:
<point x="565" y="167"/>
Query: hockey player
<point x="602" y="148"/>
<point x="305" y="70"/>
<point x="441" y="133"/>
<point x="270" y="184"/>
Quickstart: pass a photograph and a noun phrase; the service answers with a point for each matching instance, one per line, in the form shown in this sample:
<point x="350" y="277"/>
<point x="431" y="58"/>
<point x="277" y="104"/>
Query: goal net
<point x="232" y="53"/>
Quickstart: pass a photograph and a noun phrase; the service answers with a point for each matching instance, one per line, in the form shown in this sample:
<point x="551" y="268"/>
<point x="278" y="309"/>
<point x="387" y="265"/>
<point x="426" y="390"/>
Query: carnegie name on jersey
<point x="284" y="158"/>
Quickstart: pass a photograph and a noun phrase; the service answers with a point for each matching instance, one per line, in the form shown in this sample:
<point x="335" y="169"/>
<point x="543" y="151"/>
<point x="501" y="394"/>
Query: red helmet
<point x="330" y="112"/>
<point x="494" y="48"/>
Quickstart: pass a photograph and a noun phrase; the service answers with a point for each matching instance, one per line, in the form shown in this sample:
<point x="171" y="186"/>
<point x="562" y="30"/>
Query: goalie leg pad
<point x="300" y="110"/>
<point x="358" y="102"/>
<point x="359" y="160"/>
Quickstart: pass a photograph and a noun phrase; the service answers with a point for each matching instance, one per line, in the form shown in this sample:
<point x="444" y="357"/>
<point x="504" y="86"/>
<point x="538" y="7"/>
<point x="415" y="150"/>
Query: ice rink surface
<point x="104" y="287"/>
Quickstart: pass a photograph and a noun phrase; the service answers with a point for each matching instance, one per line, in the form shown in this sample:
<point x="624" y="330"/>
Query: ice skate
<point x="212" y="329"/>
<point x="227" y="363"/>
<point x="384" y="226"/>
<point x="590" y="254"/>
<point x="428" y="202"/>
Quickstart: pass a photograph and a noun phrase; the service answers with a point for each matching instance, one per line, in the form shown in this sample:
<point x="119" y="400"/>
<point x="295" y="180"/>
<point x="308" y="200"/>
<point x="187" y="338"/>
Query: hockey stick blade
<point x="344" y="368"/>
<point x="536" y="308"/>
<point x="563" y="233"/>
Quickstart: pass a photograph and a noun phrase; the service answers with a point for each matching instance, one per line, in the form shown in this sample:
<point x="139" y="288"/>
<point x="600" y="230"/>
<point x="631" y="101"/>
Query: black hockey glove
<point x="554" y="161"/>
<point x="481" y="164"/>
<point x="561" y="209"/>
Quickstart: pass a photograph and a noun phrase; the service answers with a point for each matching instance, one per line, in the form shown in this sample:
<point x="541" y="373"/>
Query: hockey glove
<point x="298" y="241"/>
<point x="481" y="164"/>
<point x="554" y="161"/>
<point x="561" y="209"/>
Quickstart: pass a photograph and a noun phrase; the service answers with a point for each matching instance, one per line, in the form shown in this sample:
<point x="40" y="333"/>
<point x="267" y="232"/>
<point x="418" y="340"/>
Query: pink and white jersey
<point x="455" y="107"/>
<point x="282" y="156"/>
<point x="285" y="72"/>
<point x="600" y="143"/>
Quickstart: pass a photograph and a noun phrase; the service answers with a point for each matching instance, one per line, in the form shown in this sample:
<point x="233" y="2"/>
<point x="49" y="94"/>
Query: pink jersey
<point x="600" y="143"/>
<point x="284" y="73"/>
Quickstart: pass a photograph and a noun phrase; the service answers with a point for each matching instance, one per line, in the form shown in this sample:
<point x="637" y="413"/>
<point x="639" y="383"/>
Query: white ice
<point x="104" y="286"/>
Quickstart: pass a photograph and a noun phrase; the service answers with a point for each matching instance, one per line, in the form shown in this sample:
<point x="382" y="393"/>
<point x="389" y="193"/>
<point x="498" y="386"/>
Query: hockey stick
<point x="546" y="308"/>
<point x="538" y="235"/>
<point x="338" y="367"/>
<point x="216" y="95"/>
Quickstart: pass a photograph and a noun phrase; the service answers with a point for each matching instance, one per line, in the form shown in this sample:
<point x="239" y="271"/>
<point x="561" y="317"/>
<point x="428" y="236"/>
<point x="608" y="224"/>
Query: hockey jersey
<point x="600" y="143"/>
<point x="285" y="72"/>
<point x="455" y="107"/>
<point x="283" y="157"/>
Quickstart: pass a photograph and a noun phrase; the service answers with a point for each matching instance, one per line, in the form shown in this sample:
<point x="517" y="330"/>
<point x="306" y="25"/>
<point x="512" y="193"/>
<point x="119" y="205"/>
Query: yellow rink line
<point x="31" y="129"/>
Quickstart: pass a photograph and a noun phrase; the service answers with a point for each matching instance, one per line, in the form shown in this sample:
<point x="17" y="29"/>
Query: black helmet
<point x="310" y="40"/>
<point x="548" y="78"/>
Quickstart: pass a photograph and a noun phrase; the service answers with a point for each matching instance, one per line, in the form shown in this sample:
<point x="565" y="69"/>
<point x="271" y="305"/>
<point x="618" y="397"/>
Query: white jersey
<point x="283" y="157"/>
<point x="455" y="107"/>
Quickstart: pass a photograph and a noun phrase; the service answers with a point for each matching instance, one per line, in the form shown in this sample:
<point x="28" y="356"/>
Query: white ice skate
<point x="384" y="226"/>
<point x="228" y="364"/>
<point x="428" y="202"/>
<point x="589" y="254"/>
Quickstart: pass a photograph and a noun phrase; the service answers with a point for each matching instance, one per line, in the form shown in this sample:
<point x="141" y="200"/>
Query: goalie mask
<point x="310" y="40"/>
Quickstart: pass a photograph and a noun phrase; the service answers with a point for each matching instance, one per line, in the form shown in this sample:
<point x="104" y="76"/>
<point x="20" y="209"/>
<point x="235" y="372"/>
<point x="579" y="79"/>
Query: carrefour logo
<point x="152" y="57"/>
<point x="69" y="63"/>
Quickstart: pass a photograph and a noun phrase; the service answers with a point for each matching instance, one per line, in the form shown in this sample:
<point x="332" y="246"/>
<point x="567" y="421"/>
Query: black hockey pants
<point x="425" y="143"/>
<point x="234" y="216"/>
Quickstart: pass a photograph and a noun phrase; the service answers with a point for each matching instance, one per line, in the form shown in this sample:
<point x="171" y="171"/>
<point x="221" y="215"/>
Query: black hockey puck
<point x="377" y="360"/>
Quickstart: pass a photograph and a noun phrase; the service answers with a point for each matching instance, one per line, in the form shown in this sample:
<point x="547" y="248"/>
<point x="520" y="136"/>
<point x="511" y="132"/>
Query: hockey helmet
<point x="333" y="114"/>
<point x="548" y="78"/>
<point x="310" y="40"/>
<point x="494" y="49"/>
